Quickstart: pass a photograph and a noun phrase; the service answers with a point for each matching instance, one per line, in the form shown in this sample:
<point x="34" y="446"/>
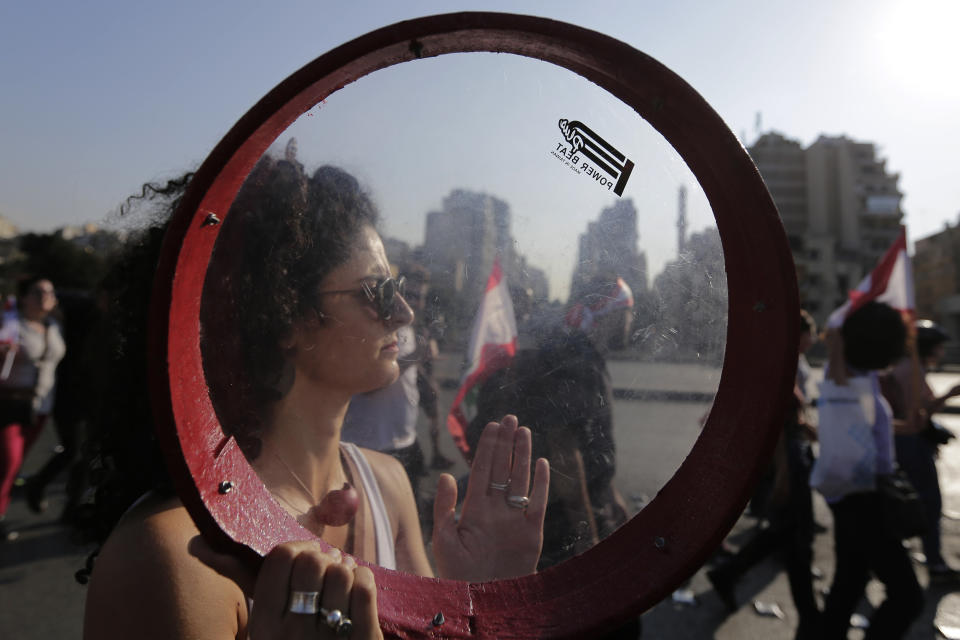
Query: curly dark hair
<point x="284" y="233"/>
<point x="874" y="336"/>
<point x="120" y="453"/>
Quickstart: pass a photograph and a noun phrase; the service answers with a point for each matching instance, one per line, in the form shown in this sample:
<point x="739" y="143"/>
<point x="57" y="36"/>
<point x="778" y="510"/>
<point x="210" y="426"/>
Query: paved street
<point x="40" y="599"/>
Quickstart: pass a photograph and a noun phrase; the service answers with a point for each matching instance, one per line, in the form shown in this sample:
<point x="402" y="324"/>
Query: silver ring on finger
<point x="518" y="502"/>
<point x="499" y="486"/>
<point x="340" y="624"/>
<point x="304" y="602"/>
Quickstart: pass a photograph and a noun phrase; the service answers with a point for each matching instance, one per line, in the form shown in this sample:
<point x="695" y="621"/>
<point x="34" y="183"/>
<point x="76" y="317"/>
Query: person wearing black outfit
<point x="789" y="508"/>
<point x="871" y="339"/>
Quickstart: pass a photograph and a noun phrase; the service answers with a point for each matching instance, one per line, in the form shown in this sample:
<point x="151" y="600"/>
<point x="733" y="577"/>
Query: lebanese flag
<point x="493" y="343"/>
<point x="891" y="282"/>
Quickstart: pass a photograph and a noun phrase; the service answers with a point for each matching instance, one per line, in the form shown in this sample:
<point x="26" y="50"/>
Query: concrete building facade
<point x="840" y="208"/>
<point x="461" y="242"/>
<point x="609" y="245"/>
<point x="936" y="273"/>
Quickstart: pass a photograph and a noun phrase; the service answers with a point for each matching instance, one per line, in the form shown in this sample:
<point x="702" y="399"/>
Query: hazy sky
<point x="99" y="97"/>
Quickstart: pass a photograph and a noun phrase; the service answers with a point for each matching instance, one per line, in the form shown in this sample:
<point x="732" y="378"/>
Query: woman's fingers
<point x="270" y="592"/>
<point x="337" y="583"/>
<point x="298" y="579"/>
<point x="483" y="460"/>
<point x="502" y="457"/>
<point x="445" y="503"/>
<point x="537" y="508"/>
<point x="311" y="577"/>
<point x="363" y="605"/>
<point x="520" y="474"/>
<point x="478" y="485"/>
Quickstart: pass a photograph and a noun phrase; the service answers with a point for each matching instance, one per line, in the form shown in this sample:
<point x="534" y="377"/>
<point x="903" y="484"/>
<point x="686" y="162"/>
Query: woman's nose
<point x="402" y="312"/>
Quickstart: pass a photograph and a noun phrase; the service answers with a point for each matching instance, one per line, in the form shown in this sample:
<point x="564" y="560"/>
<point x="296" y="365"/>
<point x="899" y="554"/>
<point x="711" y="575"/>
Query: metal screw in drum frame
<point x="634" y="567"/>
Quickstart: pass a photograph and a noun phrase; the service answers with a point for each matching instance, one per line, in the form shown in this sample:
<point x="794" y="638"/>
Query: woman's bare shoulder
<point x="400" y="502"/>
<point x="389" y="473"/>
<point x="147" y="583"/>
<point x="159" y="525"/>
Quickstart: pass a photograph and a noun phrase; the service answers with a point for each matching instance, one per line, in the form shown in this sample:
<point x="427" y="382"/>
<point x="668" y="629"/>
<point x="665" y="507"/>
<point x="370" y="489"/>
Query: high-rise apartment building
<point x="840" y="208"/>
<point x="461" y="242"/>
<point x="609" y="246"/>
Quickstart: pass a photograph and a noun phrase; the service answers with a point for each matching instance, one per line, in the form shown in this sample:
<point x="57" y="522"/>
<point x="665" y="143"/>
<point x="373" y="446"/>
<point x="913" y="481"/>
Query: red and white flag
<point x="890" y="282"/>
<point x="493" y="343"/>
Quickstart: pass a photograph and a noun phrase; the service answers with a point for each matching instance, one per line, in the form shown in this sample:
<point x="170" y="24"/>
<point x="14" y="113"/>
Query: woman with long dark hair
<point x="316" y="310"/>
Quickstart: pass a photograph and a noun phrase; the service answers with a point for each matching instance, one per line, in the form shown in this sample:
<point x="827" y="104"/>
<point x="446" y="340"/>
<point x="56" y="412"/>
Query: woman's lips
<point x="392" y="347"/>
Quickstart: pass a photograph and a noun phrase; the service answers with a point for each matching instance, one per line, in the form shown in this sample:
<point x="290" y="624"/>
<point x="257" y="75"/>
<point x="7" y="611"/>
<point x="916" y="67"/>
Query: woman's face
<point x="347" y="345"/>
<point x="41" y="298"/>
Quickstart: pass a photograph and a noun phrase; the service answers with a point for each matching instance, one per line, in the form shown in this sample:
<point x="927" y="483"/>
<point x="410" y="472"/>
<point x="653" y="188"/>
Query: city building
<point x="610" y="245"/>
<point x="460" y="244"/>
<point x="840" y="208"/>
<point x="936" y="274"/>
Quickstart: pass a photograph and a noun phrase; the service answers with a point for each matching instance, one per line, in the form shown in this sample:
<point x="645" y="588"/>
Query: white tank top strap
<point x="386" y="555"/>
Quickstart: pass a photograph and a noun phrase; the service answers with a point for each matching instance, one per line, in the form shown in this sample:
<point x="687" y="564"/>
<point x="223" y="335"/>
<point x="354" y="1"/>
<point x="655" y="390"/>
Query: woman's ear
<point x="288" y="341"/>
<point x="297" y="336"/>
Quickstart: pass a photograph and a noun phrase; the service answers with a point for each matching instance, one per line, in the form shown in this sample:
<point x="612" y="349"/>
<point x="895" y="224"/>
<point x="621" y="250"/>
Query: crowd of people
<point x="876" y="469"/>
<point x="334" y="365"/>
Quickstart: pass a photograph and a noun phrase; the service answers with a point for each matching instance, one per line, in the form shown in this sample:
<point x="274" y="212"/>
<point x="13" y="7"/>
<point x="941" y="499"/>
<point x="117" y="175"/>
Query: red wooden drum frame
<point x="669" y="540"/>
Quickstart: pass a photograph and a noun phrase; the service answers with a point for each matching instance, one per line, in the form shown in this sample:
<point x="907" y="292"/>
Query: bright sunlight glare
<point x="920" y="47"/>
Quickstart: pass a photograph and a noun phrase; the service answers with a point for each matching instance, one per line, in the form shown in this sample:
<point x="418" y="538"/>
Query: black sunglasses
<point x="382" y="294"/>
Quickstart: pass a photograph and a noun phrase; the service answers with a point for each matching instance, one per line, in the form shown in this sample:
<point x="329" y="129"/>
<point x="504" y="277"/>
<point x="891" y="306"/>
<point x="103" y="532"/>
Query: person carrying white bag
<point x="856" y="447"/>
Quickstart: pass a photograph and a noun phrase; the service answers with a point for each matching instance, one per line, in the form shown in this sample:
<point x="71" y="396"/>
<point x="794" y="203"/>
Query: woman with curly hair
<point x="304" y="281"/>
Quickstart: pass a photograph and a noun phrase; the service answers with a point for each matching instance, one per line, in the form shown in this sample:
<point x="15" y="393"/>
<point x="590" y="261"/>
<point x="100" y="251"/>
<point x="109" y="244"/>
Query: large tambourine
<point x="664" y="544"/>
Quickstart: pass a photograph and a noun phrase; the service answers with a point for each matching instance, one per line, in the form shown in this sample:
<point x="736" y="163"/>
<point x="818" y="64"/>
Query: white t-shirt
<point x="35" y="362"/>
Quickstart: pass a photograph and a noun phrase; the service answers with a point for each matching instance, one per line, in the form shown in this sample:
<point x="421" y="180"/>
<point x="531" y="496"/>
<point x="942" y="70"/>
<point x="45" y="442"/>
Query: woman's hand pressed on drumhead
<point x="500" y="530"/>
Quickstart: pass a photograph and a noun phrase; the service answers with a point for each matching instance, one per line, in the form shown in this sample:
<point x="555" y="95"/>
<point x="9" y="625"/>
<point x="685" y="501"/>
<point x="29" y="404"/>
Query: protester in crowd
<point x="561" y="388"/>
<point x="318" y="323"/>
<point x="917" y="437"/>
<point x="418" y="291"/>
<point x="808" y="338"/>
<point x="70" y="407"/>
<point x="789" y="525"/>
<point x="31" y="345"/>
<point x="856" y="446"/>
